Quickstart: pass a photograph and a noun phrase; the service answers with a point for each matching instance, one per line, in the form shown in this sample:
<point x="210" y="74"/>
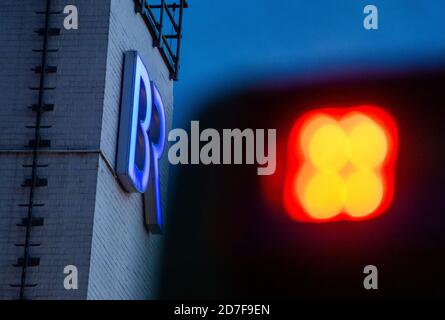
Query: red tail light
<point x="341" y="164"/>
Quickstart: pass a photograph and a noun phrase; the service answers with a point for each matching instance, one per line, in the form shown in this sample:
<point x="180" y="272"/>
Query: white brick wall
<point x="115" y="256"/>
<point x="66" y="235"/>
<point x="129" y="255"/>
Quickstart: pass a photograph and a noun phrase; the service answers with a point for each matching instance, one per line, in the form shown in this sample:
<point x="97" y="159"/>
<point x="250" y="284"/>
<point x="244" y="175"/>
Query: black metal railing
<point x="30" y="221"/>
<point x="164" y="21"/>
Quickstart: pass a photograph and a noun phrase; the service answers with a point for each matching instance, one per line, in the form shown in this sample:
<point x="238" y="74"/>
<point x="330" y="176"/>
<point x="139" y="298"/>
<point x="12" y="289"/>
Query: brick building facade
<point x="88" y="219"/>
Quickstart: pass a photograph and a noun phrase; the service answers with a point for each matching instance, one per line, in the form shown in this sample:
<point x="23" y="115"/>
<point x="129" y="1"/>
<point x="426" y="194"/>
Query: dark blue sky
<point x="230" y="41"/>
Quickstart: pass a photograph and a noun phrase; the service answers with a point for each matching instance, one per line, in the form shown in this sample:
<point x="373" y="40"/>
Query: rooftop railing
<point x="164" y="21"/>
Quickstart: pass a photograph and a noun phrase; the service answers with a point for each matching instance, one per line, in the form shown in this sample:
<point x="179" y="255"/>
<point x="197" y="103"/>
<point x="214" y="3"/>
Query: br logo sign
<point x="141" y="138"/>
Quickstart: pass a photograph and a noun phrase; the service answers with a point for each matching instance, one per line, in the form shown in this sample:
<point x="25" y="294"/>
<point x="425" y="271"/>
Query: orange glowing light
<point x="341" y="164"/>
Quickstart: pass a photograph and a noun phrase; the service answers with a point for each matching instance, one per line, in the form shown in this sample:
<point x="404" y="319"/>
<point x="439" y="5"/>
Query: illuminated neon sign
<point x="141" y="138"/>
<point x="341" y="164"/>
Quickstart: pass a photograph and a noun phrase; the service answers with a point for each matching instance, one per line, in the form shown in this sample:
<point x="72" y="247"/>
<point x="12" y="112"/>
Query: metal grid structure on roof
<point x="164" y="21"/>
